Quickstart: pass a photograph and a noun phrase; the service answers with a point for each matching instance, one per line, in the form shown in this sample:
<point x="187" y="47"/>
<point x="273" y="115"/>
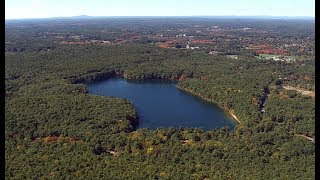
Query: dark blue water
<point x="160" y="104"/>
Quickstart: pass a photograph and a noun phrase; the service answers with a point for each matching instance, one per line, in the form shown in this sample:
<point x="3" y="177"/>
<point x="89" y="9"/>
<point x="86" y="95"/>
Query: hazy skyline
<point x="17" y="9"/>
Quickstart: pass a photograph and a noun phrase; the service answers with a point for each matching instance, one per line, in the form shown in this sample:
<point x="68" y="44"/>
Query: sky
<point x="18" y="9"/>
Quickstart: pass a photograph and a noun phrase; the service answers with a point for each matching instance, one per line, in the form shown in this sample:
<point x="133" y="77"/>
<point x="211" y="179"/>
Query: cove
<point x="160" y="104"/>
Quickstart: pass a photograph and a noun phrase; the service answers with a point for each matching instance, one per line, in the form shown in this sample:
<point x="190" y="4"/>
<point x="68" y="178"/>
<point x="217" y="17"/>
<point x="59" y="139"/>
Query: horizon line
<point x="170" y="16"/>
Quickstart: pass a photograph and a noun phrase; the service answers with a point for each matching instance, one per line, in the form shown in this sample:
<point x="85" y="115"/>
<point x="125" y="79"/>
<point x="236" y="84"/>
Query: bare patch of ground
<point x="302" y="91"/>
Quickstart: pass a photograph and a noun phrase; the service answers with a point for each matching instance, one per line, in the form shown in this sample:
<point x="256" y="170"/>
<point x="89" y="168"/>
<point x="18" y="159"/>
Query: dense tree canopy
<point x="55" y="129"/>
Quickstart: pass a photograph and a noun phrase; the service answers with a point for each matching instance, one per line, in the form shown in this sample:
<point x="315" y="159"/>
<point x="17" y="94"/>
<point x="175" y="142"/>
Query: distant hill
<point x="74" y="17"/>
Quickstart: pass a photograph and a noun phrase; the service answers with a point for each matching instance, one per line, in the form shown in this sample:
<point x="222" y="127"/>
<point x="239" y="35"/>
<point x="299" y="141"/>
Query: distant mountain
<point x="73" y="17"/>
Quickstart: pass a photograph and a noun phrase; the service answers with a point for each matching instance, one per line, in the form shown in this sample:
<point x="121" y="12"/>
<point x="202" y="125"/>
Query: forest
<point x="54" y="129"/>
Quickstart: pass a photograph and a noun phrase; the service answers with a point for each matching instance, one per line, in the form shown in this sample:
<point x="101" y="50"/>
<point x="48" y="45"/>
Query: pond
<point x="160" y="104"/>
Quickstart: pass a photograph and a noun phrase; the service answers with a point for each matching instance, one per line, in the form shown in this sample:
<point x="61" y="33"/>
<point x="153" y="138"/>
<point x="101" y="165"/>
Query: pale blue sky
<point x="55" y="8"/>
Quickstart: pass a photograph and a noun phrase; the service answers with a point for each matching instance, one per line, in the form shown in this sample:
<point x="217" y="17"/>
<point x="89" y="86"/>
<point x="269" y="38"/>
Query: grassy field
<point x="276" y="57"/>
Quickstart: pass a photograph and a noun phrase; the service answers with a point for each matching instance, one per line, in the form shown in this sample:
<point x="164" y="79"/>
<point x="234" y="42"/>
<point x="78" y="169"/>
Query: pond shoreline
<point x="176" y="78"/>
<point x="138" y="102"/>
<point x="234" y="117"/>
